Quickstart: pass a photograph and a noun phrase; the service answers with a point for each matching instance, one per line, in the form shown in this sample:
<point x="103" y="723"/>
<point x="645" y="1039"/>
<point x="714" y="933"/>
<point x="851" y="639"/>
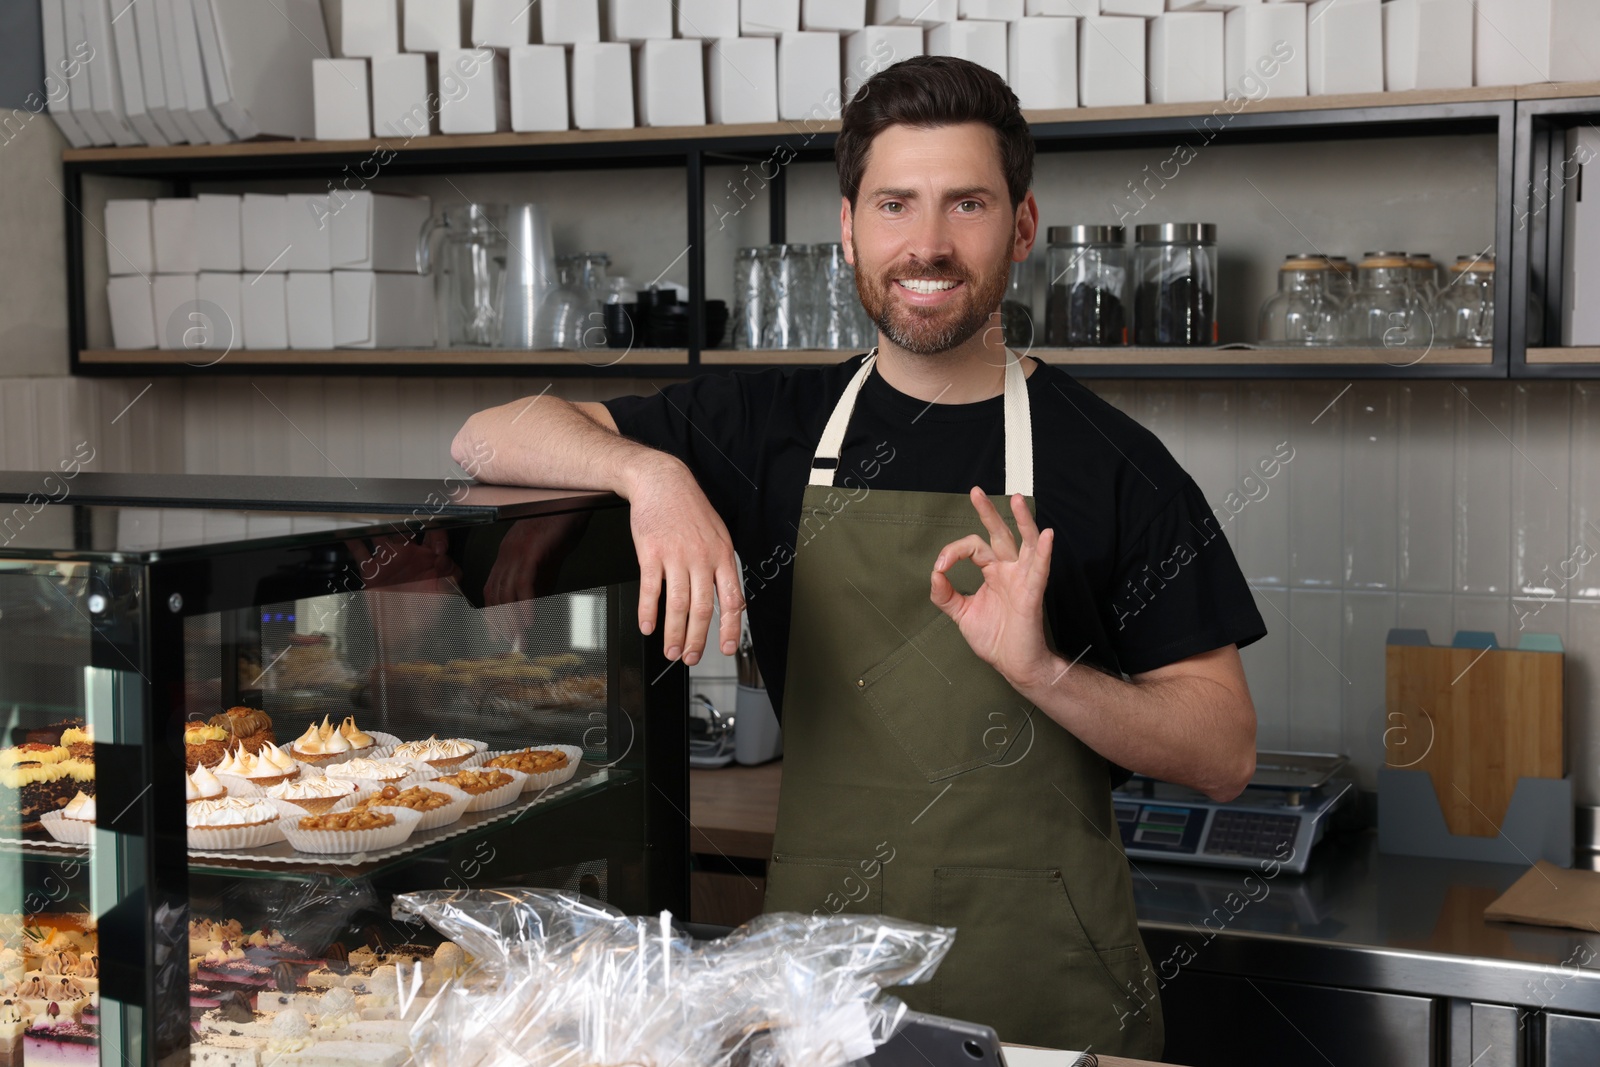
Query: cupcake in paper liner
<point x="324" y="743"/>
<point x="73" y="824"/>
<point x="489" y="787"/>
<point x="446" y="754"/>
<point x="382" y="772"/>
<point x="316" y="794"/>
<point x="423" y="799"/>
<point x="351" y="831"/>
<point x="234" y="822"/>
<point x="262" y="769"/>
<point x="545" y="765"/>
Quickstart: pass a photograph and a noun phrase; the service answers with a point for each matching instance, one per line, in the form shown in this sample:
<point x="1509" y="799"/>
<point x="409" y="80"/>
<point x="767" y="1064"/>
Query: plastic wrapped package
<point x="559" y="980"/>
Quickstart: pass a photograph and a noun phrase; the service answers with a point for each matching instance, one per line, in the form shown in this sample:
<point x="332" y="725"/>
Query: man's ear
<point x="847" y="230"/>
<point x="1027" y="227"/>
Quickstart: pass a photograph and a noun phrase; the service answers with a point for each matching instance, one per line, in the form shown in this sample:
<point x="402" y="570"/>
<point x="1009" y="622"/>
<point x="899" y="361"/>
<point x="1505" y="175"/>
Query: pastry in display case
<point x="243" y="718"/>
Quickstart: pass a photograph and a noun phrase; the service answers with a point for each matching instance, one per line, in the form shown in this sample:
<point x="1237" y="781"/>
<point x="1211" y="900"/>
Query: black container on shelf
<point x="1175" y="270"/>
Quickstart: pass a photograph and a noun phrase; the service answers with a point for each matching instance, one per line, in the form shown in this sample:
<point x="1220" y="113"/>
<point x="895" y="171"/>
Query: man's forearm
<point x="1191" y="731"/>
<point x="546" y="441"/>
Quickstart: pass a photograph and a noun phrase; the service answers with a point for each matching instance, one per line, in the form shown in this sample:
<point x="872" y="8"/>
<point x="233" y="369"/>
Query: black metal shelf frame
<point x="1516" y="126"/>
<point x="1543" y="170"/>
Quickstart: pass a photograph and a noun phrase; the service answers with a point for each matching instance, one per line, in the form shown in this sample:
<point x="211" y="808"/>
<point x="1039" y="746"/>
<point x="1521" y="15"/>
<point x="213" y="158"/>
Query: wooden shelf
<point x="312" y="359"/>
<point x="1557" y="356"/>
<point x="663" y="135"/>
<point x="1146" y="357"/>
<point x="1557" y="90"/>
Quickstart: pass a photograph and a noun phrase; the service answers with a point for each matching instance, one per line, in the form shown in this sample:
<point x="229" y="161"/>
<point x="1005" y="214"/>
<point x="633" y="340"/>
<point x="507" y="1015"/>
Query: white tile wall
<point x="1434" y="505"/>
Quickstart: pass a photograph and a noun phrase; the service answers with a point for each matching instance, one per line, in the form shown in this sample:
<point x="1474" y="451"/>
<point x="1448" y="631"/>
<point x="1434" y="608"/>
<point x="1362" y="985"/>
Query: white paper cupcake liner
<point x="67" y="831"/>
<point x="545" y="779"/>
<point x="431" y="820"/>
<point x="344" y="842"/>
<point x="498" y="798"/>
<point x="214" y="838"/>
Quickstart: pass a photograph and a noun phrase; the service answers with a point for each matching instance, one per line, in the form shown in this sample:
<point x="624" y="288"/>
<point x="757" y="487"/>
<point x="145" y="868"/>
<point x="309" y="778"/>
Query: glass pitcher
<point x="469" y="273"/>
<point x="492" y="270"/>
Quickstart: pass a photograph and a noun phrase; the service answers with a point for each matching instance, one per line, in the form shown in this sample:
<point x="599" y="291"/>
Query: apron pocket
<point x="1022" y="961"/>
<point x="948" y="710"/>
<point x="823" y="886"/>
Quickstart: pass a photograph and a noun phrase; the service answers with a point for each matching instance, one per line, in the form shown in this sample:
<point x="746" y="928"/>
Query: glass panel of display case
<point x="57" y="874"/>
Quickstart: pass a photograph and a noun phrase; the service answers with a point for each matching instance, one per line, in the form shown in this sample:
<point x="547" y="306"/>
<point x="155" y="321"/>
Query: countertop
<point x="1357" y="918"/>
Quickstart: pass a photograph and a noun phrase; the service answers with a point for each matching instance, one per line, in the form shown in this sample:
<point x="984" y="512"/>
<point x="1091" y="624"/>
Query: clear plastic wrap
<point x="560" y="980"/>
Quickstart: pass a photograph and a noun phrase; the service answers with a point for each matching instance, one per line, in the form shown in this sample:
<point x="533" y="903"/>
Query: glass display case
<point x="236" y="728"/>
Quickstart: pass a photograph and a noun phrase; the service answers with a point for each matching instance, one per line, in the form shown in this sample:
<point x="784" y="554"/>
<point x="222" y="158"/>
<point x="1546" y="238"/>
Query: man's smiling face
<point x="933" y="234"/>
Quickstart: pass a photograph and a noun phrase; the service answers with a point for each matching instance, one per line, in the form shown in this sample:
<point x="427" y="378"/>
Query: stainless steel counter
<point x="1363" y="920"/>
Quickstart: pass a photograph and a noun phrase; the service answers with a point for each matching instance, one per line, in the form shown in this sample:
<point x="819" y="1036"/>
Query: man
<point x="951" y="683"/>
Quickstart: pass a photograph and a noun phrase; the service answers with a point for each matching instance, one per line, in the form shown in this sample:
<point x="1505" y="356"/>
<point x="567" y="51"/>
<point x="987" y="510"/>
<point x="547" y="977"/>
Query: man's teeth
<point x="923" y="285"/>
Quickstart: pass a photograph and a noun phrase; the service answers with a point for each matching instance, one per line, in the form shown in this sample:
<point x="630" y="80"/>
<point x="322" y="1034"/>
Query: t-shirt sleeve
<point x="705" y="422"/>
<point x="1178" y="590"/>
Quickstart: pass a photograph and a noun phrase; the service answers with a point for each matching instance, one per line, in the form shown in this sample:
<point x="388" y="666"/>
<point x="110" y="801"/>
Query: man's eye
<point x="968" y="206"/>
<point x="893" y="207"/>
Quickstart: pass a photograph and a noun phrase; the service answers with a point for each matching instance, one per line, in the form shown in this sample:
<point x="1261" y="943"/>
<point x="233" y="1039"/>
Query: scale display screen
<point x="1160" y="827"/>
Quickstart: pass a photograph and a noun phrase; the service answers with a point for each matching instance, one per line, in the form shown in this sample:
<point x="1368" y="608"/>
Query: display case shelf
<point x="277" y="860"/>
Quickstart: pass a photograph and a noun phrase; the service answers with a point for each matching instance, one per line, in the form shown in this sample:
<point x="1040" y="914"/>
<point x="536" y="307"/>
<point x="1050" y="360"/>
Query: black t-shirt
<point x="1141" y="575"/>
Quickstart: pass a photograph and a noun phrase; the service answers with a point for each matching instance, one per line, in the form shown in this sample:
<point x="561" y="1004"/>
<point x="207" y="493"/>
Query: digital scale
<point x="1280" y="815"/>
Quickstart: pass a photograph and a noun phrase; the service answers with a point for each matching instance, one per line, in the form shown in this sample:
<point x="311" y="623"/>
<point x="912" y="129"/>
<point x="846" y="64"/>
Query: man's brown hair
<point x="926" y="92"/>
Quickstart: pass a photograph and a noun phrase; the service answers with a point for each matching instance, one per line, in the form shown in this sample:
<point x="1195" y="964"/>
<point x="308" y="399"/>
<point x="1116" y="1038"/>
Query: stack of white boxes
<point x="215" y="273"/>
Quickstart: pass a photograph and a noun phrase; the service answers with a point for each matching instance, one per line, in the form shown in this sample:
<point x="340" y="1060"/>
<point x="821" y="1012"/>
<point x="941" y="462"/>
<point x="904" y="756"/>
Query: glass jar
<point x="1381" y="311"/>
<point x="1176" y="271"/>
<point x="1341" y="279"/>
<point x="1087" y="299"/>
<point x="1465" y="309"/>
<point x="1016" y="310"/>
<point x="564" y="312"/>
<point x="1302" y="312"/>
<point x="747" y="298"/>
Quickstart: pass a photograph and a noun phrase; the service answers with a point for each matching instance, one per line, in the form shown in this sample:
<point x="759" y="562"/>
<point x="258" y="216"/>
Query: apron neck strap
<point x="1018" y="428"/>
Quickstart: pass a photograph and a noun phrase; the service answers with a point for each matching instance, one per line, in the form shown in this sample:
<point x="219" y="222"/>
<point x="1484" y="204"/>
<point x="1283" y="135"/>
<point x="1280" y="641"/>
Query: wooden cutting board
<point x="1475" y="720"/>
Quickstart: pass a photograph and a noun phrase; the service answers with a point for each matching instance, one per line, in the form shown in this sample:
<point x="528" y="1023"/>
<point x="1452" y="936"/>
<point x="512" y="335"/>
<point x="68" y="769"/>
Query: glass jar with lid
<point x="1087" y="297"/>
<point x="1341" y="279"/>
<point x="1303" y="311"/>
<point x="1382" y="310"/>
<point x="1465" y="309"/>
<point x="1175" y="270"/>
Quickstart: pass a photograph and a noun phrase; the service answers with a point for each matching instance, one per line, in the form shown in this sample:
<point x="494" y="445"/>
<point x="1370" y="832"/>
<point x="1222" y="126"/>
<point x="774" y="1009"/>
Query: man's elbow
<point x="1239" y="764"/>
<point x="468" y="450"/>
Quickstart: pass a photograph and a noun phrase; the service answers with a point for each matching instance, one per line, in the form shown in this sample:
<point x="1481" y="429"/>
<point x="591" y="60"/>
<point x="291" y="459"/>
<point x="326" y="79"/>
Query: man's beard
<point x="931" y="331"/>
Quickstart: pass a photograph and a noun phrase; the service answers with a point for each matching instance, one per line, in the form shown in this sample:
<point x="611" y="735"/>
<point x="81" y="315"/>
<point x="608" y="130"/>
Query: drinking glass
<point x="747" y="299"/>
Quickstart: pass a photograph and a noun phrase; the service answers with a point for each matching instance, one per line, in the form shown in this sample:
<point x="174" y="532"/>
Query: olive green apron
<point x="919" y="784"/>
